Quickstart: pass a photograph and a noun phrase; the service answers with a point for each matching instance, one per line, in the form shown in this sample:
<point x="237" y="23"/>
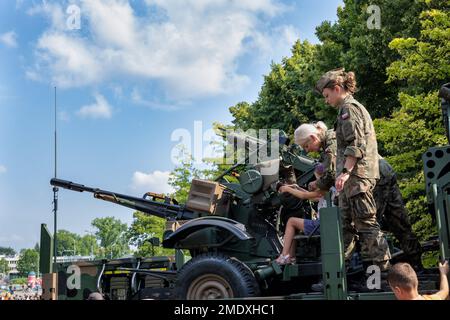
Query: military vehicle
<point x="232" y="232"/>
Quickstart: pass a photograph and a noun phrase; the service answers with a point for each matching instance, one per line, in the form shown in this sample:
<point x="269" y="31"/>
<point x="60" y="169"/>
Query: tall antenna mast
<point x="55" y="197"/>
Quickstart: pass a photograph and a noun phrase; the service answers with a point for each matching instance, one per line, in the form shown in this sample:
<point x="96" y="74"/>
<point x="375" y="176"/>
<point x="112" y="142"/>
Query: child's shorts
<point x="312" y="226"/>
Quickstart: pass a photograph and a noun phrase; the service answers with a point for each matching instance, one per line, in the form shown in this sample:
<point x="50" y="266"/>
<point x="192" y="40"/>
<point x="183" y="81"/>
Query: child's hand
<point x="284" y="189"/>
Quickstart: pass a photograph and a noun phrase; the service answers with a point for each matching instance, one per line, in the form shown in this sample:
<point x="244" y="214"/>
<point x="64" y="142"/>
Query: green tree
<point x="143" y="228"/>
<point x="181" y="177"/>
<point x="111" y="233"/>
<point x="286" y="98"/>
<point x="28" y="261"/>
<point x="67" y="243"/>
<point x="4" y="266"/>
<point x="351" y="44"/>
<point x="424" y="63"/>
<point x="7" y="251"/>
<point x="422" y="68"/>
<point x="88" y="246"/>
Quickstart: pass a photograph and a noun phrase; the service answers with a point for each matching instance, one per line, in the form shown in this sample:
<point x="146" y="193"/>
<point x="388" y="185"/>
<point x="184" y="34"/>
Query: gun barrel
<point x="70" y="185"/>
<point x="160" y="209"/>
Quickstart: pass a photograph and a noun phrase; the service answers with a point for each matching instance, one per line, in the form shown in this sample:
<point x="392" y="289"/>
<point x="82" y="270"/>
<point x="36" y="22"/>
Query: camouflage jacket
<point x="355" y="136"/>
<point x="328" y="161"/>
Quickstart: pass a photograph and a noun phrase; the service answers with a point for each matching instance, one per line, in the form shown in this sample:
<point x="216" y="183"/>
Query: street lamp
<point x="92" y="245"/>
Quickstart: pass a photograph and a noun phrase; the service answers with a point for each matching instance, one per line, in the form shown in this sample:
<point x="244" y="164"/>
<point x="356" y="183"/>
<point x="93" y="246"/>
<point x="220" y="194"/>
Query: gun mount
<point x="223" y="219"/>
<point x="232" y="232"/>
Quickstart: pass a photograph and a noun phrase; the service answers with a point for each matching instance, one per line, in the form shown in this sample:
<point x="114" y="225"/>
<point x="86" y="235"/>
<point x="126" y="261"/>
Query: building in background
<point x="12" y="264"/>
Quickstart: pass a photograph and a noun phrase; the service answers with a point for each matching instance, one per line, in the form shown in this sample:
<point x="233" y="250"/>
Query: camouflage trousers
<point x="359" y="218"/>
<point x="393" y="217"/>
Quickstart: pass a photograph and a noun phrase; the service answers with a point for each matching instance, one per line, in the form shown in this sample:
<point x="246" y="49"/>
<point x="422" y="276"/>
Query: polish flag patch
<point x="345" y="116"/>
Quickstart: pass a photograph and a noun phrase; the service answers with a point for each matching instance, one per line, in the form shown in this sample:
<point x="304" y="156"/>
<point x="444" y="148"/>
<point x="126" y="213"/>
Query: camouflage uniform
<point x="328" y="161"/>
<point x="392" y="214"/>
<point x="355" y="136"/>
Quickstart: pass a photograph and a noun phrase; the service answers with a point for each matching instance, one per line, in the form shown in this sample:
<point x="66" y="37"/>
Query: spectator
<point x="404" y="283"/>
<point x="95" y="296"/>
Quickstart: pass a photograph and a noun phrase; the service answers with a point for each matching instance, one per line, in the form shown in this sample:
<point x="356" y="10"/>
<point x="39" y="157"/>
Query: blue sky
<point x="128" y="76"/>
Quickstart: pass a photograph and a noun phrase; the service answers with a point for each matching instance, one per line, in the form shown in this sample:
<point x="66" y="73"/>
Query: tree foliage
<point x="7" y="251"/>
<point x="4" y="266"/>
<point x="181" y="177"/>
<point x="112" y="235"/>
<point x="143" y="228"/>
<point x="286" y="98"/>
<point x="422" y="68"/>
<point x="424" y="63"/>
<point x="28" y="261"/>
<point x="67" y="243"/>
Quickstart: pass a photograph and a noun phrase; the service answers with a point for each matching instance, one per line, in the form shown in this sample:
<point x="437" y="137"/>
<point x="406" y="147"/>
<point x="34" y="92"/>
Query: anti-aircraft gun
<point x="231" y="229"/>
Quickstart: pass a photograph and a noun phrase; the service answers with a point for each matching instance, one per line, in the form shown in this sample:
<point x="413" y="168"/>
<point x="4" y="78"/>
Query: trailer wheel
<point x="211" y="276"/>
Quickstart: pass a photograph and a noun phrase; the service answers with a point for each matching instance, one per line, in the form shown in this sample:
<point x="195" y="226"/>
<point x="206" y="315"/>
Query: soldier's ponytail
<point x="349" y="82"/>
<point x="339" y="77"/>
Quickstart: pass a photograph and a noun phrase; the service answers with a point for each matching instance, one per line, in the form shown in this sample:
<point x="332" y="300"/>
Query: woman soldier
<point x="357" y="168"/>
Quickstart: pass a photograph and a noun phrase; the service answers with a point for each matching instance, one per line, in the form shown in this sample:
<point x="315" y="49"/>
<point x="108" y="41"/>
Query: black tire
<point x="212" y="276"/>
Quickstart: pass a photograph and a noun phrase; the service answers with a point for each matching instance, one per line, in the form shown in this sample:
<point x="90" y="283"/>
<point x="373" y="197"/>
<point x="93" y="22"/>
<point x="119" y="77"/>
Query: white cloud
<point x="100" y="109"/>
<point x="2" y="169"/>
<point x="137" y="99"/>
<point x="70" y="60"/>
<point x="9" y="39"/>
<point x="193" y="51"/>
<point x="54" y="13"/>
<point x="156" y="181"/>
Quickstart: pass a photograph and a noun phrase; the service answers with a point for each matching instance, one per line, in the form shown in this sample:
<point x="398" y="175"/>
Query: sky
<point x="130" y="76"/>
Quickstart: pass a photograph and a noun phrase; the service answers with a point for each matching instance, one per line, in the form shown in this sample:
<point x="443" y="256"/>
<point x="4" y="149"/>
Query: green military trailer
<point x="232" y="232"/>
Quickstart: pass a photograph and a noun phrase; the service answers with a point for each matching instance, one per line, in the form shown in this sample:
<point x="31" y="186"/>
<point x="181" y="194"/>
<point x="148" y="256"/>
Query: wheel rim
<point x="209" y="286"/>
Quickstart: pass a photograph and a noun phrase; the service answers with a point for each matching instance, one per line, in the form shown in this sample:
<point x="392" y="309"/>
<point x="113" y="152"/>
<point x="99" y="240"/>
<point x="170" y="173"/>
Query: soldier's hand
<point x="443" y="267"/>
<point x="340" y="181"/>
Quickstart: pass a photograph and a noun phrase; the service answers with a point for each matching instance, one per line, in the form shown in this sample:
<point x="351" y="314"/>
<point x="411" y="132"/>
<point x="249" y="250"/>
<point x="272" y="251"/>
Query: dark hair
<point x="402" y="275"/>
<point x="346" y="80"/>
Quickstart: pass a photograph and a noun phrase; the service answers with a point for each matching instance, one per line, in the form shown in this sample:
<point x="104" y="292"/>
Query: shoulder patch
<point x="345" y="116"/>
